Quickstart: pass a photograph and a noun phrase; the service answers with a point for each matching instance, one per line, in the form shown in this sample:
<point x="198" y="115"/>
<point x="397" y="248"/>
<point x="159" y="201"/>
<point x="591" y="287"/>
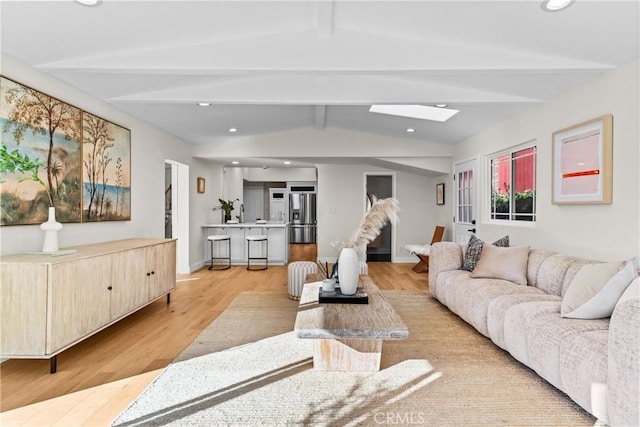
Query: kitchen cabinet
<point x="49" y="303"/>
<point x="237" y="250"/>
<point x="278" y="244"/>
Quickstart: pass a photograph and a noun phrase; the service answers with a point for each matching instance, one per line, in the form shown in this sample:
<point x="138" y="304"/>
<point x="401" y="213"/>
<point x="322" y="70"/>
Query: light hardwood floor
<point x="98" y="378"/>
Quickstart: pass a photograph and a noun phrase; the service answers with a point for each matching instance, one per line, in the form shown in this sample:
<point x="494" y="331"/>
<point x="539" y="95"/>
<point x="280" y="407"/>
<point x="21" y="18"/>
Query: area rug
<point x="248" y="368"/>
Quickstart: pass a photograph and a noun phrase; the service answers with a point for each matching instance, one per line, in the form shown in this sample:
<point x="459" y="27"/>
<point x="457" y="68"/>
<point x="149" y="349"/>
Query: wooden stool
<point x="220" y="238"/>
<point x="265" y="258"/>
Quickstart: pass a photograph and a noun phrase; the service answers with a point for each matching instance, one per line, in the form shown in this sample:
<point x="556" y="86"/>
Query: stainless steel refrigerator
<point x="302" y="217"/>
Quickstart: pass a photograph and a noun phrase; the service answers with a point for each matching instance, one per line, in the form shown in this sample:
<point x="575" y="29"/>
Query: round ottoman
<point x="297" y="272"/>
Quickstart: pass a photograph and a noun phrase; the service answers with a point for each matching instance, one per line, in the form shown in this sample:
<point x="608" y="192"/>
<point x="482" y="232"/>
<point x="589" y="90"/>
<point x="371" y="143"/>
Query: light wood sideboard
<point x="49" y="303"/>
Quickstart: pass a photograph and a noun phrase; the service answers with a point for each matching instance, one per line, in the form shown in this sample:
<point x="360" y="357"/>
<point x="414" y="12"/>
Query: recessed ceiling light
<point x="555" y="5"/>
<point x="204" y="104"/>
<point x="232" y="130"/>
<point x="424" y="112"/>
<point x="410" y="130"/>
<point x="442" y="105"/>
<point x="89" y="2"/>
<point x="235" y="162"/>
<point x="287" y="162"/>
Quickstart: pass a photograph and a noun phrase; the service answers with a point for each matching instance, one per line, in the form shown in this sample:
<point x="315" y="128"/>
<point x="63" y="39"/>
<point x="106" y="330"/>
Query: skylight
<point x="423" y="112"/>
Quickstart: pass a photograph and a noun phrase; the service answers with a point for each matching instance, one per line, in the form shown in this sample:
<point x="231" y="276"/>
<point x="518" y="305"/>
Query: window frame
<point x="488" y="181"/>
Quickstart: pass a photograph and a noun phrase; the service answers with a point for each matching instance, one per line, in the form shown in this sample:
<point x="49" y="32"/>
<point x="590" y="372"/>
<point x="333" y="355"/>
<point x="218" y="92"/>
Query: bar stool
<point x="220" y="238"/>
<point x="265" y="247"/>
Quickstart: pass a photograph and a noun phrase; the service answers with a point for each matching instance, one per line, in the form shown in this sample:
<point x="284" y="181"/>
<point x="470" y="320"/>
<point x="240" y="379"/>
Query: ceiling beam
<point x="324" y="18"/>
<point x="321" y="117"/>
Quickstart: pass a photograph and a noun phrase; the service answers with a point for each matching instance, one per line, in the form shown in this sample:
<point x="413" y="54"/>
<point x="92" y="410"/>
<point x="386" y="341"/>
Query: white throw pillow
<point x="596" y="288"/>
<point x="503" y="263"/>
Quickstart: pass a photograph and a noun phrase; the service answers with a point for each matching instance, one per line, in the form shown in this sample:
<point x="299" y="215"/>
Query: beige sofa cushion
<point x="596" y="288"/>
<point x="503" y="263"/>
<point x="623" y="379"/>
<point x="474" y="250"/>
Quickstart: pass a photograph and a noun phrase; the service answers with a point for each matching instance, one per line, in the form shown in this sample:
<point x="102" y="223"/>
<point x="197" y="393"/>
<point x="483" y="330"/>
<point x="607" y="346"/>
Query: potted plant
<point x="227" y="207"/>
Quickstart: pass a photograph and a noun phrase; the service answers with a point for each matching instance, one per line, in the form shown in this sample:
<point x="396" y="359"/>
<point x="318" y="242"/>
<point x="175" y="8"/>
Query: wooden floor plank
<point x="98" y="378"/>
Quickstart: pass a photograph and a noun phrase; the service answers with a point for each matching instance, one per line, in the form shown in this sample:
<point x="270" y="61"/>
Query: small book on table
<point x="336" y="297"/>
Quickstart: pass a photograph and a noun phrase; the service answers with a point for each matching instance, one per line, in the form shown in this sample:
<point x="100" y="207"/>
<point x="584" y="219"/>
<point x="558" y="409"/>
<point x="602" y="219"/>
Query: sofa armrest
<point x="444" y="256"/>
<point x="623" y="365"/>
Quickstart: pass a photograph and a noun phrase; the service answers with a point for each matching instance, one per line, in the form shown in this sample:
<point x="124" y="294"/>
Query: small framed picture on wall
<point x="440" y="193"/>
<point x="200" y="185"/>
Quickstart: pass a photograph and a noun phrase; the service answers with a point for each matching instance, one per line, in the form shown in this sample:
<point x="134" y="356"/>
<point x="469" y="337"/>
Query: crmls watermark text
<point x="399" y="418"/>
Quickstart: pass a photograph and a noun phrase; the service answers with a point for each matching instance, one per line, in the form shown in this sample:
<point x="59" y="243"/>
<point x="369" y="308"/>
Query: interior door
<point x="380" y="186"/>
<point x="466" y="195"/>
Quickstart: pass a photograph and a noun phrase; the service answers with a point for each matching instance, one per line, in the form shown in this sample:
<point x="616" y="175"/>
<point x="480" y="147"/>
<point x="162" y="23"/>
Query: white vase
<point x="348" y="271"/>
<point x="51" y="228"/>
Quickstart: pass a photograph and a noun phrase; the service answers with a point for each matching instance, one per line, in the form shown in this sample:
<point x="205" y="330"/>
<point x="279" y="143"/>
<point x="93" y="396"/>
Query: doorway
<point x="380" y="186"/>
<point x="253" y="203"/>
<point x="176" y="197"/>
<point x="466" y="196"/>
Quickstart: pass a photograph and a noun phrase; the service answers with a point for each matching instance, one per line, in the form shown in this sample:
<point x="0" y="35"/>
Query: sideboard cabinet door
<point x="130" y="282"/>
<point x="161" y="263"/>
<point x="23" y="309"/>
<point x="79" y="300"/>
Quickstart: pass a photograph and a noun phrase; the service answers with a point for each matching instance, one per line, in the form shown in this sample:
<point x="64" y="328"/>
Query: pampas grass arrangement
<point x="346" y="269"/>
<point x="381" y="212"/>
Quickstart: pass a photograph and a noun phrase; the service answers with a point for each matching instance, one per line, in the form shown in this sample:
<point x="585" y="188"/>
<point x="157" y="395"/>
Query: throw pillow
<point x="474" y="249"/>
<point x="503" y="263"/>
<point x="595" y="289"/>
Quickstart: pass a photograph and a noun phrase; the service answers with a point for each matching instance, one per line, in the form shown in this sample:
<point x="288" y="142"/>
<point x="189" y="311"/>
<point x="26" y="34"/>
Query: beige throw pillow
<point x="503" y="263"/>
<point x="596" y="288"/>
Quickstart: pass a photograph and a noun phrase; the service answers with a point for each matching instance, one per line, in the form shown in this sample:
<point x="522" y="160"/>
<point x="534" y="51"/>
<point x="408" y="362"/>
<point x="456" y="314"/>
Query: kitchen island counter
<point x="277" y="234"/>
<point x="249" y="224"/>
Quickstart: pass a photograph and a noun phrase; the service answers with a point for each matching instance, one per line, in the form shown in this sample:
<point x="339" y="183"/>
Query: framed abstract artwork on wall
<point x="583" y="163"/>
<point x="200" y="185"/>
<point x="440" y="193"/>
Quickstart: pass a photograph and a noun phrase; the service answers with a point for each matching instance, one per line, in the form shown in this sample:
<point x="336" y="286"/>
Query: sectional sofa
<point x="520" y="302"/>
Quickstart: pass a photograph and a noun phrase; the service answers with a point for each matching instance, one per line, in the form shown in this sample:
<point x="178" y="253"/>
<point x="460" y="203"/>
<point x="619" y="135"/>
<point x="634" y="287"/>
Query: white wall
<point x="330" y="142"/>
<point x="150" y="147"/>
<point x="201" y="206"/>
<point x="341" y="207"/>
<point x="606" y="232"/>
<point x="420" y="212"/>
<point x="279" y="174"/>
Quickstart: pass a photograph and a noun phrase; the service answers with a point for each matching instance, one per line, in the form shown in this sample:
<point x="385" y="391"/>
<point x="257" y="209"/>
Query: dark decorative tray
<point x="335" y="297"/>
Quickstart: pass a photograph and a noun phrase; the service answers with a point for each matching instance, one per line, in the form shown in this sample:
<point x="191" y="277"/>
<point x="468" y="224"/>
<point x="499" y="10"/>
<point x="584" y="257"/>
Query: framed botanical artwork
<point x="583" y="163"/>
<point x="55" y="155"/>
<point x="40" y="156"/>
<point x="106" y="171"/>
<point x="200" y="186"/>
<point x="440" y="193"/>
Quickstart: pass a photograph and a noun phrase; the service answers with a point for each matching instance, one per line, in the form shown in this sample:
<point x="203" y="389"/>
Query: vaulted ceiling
<point x="271" y="66"/>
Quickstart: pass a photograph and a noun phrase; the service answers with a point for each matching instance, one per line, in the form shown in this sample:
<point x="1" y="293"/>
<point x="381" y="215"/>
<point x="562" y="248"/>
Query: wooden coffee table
<point x="347" y="337"/>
